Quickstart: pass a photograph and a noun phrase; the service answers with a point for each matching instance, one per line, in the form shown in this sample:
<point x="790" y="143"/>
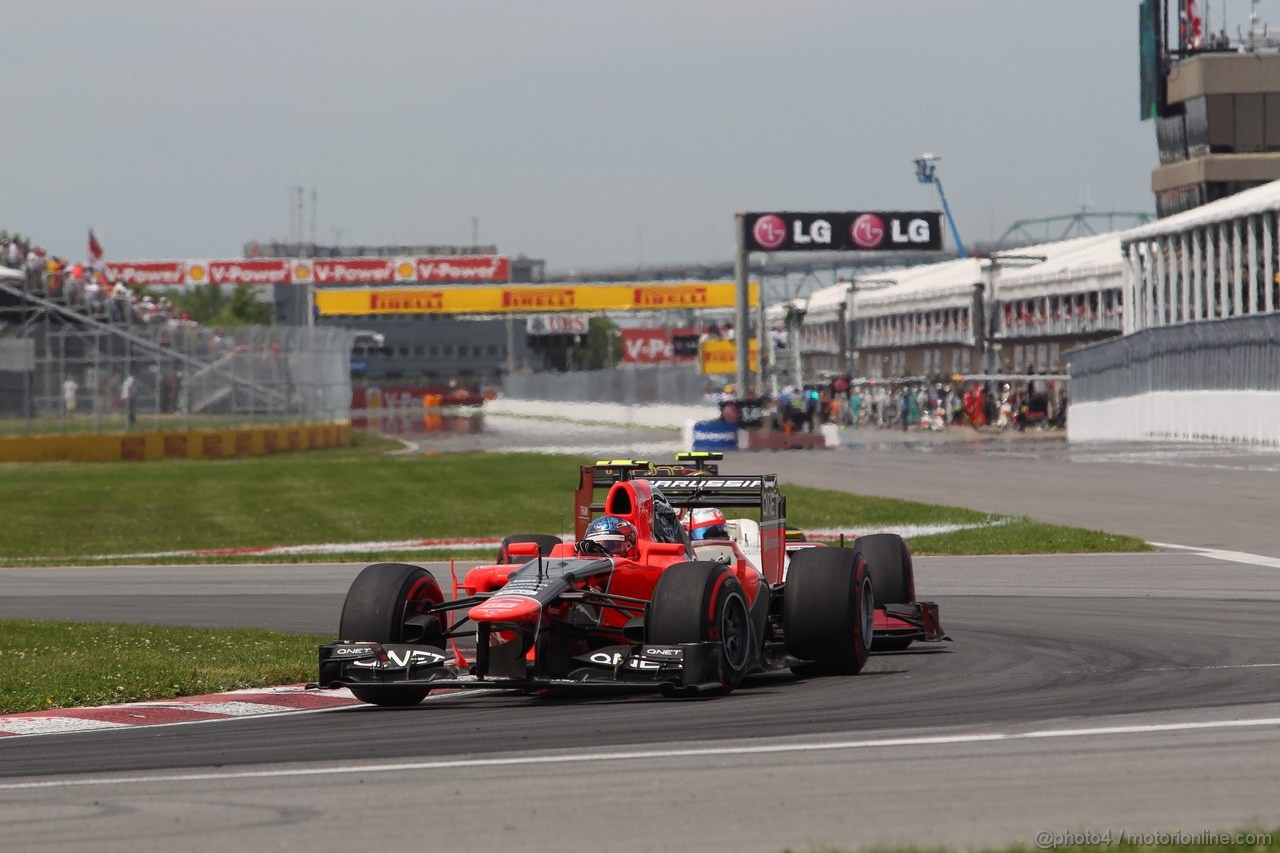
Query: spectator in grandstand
<point x="783" y="409"/>
<point x="14" y="254"/>
<point x="53" y="273"/>
<point x="128" y="398"/>
<point x="169" y="387"/>
<point x="35" y="270"/>
<point x="94" y="297"/>
<point x="147" y="309"/>
<point x="121" y="301"/>
<point x="812" y="402"/>
<point x="69" y="389"/>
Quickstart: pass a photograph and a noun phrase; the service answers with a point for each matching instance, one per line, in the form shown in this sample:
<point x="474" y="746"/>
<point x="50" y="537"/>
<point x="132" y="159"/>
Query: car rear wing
<point x="694" y="481"/>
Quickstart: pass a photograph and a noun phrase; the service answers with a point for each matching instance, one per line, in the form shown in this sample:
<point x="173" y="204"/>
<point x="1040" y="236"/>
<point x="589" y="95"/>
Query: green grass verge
<point x="68" y="664"/>
<point x="823" y="508"/>
<point x="59" y="512"/>
<point x="1024" y="536"/>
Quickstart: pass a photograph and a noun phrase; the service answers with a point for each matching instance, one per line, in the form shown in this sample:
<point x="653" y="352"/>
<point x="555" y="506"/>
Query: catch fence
<point x="99" y="377"/>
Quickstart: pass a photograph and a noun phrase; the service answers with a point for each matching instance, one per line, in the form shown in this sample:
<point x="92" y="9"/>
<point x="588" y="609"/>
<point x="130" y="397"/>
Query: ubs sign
<point x="856" y="231"/>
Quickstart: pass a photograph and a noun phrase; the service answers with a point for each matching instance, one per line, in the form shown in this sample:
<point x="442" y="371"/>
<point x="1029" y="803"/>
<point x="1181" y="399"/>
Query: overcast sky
<point x="588" y="133"/>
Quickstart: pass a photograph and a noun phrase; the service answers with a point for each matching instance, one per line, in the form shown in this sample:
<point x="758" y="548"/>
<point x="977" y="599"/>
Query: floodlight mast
<point x="926" y="173"/>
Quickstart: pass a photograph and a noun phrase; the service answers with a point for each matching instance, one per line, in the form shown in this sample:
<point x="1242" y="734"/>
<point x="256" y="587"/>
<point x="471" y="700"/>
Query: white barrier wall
<point x="1235" y="416"/>
<point x="653" y="415"/>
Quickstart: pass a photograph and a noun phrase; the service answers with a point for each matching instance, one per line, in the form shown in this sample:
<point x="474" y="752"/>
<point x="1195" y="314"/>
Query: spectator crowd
<point x="913" y="404"/>
<point x="90" y="290"/>
<point x="84" y="287"/>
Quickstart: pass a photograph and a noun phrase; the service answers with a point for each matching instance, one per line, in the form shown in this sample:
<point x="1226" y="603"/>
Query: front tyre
<point x="380" y="604"/>
<point x="701" y="602"/>
<point x="893" y="577"/>
<point x="828" y="611"/>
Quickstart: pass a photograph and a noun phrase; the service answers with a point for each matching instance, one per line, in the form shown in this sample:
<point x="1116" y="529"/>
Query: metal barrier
<point x="640" y="386"/>
<point x="1241" y="353"/>
<point x="1217" y="381"/>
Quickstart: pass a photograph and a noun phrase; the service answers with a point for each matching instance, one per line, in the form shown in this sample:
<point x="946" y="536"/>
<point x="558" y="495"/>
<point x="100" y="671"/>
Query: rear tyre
<point x="702" y="602"/>
<point x="828" y="611"/>
<point x="380" y="602"/>
<point x="892" y="575"/>
<point x="545" y="541"/>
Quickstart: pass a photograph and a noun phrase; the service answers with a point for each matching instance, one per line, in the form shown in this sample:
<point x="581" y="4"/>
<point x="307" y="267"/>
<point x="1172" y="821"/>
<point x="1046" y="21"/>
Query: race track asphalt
<point x="1135" y="693"/>
<point x="1154" y="681"/>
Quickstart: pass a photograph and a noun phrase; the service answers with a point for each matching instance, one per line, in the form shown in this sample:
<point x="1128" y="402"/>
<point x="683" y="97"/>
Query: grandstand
<point x="1014" y="311"/>
<point x="73" y="360"/>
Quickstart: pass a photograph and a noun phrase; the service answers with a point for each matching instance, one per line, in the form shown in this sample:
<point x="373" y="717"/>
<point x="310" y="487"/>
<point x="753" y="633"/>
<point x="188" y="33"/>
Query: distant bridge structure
<point x="1082" y="223"/>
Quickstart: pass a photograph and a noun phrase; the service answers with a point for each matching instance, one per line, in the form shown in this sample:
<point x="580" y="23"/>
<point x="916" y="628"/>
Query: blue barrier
<point x="715" y="435"/>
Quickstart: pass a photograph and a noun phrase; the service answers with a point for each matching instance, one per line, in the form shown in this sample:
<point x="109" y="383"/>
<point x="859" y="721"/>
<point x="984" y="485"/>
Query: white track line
<point x="592" y="757"/>
<point x="1174" y="668"/>
<point x="1228" y="556"/>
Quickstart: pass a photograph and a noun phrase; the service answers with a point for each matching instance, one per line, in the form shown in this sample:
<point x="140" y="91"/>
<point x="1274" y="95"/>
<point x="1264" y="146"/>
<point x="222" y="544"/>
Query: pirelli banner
<point x="720" y="357"/>
<point x="528" y="298"/>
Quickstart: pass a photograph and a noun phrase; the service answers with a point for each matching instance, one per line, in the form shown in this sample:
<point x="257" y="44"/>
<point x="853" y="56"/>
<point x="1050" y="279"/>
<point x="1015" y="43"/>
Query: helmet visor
<point x="614" y="544"/>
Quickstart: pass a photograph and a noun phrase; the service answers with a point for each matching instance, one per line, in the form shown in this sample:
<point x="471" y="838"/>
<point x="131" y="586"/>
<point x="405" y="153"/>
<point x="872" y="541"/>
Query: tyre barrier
<point x="186" y="444"/>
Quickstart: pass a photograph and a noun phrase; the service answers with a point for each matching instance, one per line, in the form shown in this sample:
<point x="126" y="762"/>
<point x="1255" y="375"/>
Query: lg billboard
<point x="850" y="231"/>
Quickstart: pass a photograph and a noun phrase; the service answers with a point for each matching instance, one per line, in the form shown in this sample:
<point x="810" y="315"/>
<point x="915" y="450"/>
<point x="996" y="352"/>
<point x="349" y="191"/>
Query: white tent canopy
<point x="1073" y="266"/>
<point x="948" y="284"/>
<point x="1079" y="265"/>
<point x="1252" y="201"/>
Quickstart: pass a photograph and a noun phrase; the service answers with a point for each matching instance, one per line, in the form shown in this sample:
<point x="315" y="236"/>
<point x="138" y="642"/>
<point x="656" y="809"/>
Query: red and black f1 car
<point x="676" y="616"/>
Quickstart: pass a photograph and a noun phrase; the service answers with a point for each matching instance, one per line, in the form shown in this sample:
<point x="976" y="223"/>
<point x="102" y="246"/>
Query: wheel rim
<point x="418" y="597"/>
<point x="866" y="613"/>
<point x="735" y="632"/>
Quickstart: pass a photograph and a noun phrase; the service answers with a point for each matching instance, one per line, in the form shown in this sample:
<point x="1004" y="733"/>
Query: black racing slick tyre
<point x="381" y="600"/>
<point x="544" y="541"/>
<point x="828" y="611"/>
<point x="892" y="576"/>
<point x="702" y="602"/>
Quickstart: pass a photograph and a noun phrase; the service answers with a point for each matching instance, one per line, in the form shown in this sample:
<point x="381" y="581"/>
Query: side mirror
<point x="523" y="549"/>
<point x="667" y="549"/>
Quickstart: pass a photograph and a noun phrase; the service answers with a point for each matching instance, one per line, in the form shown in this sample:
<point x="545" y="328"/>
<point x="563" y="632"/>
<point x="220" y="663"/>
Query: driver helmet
<point x="706" y="523"/>
<point x="616" y="536"/>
